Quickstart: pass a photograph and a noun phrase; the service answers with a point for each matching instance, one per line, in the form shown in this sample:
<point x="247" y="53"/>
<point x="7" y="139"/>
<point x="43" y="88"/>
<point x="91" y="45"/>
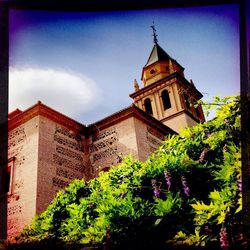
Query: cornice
<point x="45" y="111"/>
<point x="190" y="86"/>
<point x="131" y="111"/>
<point x="40" y="109"/>
<point x="152" y="86"/>
<point x="182" y="80"/>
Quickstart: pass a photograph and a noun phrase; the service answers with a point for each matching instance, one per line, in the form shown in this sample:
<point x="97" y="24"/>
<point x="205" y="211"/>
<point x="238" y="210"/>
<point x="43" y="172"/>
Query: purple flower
<point x="224" y="243"/>
<point x="203" y="155"/>
<point x="185" y="186"/>
<point x="239" y="183"/>
<point x="157" y="189"/>
<point x="168" y="179"/>
<point x="207" y="230"/>
<point x="157" y="193"/>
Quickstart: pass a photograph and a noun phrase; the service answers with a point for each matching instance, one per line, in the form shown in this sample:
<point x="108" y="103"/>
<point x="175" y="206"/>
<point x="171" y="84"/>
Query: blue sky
<point x="84" y="64"/>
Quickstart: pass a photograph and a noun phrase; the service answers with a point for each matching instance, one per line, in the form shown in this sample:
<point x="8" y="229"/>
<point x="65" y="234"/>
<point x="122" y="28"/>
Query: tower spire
<point x="154" y="33"/>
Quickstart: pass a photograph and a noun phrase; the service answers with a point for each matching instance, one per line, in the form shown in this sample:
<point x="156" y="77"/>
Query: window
<point x="165" y="99"/>
<point x="10" y="174"/>
<point x="148" y="107"/>
<point x="152" y="71"/>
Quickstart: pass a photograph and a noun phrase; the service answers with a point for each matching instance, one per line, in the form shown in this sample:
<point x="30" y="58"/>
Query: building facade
<point x="47" y="150"/>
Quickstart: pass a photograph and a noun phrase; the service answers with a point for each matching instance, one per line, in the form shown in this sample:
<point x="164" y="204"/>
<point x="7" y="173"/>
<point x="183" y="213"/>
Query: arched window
<point x="165" y="99"/>
<point x="148" y="107"/>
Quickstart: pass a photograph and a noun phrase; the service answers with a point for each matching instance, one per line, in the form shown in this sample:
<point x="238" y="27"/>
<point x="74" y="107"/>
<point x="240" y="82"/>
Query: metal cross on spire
<point x="154" y="33"/>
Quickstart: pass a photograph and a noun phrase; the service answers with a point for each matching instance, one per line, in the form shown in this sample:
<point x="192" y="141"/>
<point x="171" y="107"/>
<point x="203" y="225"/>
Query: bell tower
<point x="166" y="94"/>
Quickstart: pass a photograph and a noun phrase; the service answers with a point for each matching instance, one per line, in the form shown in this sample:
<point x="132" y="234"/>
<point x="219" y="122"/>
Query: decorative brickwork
<point x="61" y="161"/>
<point x="68" y="133"/>
<point x="104" y="144"/>
<point x="104" y="134"/>
<point x="68" y="157"/>
<point x="155" y="133"/>
<point x="69" y="153"/>
<point x="68" y="143"/>
<point x="23" y="149"/>
<point x="106" y="153"/>
<point x="14" y="209"/>
<point x="68" y="138"/>
<point x="154" y="138"/>
<point x="67" y="174"/>
<point x="16" y="137"/>
<point x="57" y="182"/>
<point x="16" y="142"/>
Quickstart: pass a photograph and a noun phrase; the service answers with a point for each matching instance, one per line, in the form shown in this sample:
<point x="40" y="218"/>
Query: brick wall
<point x="62" y="157"/>
<point x="179" y="122"/>
<point x="107" y="146"/>
<point x="128" y="137"/>
<point x="148" y="139"/>
<point x="23" y="146"/>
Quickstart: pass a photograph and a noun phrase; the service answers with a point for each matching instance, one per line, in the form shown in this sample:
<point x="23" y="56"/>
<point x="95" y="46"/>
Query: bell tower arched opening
<point x="148" y="106"/>
<point x="165" y="99"/>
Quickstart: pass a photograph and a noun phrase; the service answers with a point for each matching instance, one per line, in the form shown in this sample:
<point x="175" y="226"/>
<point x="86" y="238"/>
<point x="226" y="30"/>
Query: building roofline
<point x="131" y="111"/>
<point x="41" y="109"/>
<point x="14" y="113"/>
<point x="157" y="47"/>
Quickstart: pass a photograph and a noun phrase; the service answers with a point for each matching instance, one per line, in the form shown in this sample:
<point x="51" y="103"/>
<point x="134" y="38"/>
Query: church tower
<point x="166" y="94"/>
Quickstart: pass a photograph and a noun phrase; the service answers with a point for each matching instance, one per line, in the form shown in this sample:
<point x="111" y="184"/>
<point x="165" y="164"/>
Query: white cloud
<point x="69" y="93"/>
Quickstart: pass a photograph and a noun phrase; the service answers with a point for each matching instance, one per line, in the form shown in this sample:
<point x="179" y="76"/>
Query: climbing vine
<point x="187" y="193"/>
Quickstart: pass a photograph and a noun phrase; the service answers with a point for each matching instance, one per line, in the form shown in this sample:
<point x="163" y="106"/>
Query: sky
<point x="83" y="64"/>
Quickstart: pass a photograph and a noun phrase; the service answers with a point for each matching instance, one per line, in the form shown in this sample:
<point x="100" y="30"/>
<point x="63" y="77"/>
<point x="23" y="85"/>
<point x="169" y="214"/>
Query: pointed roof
<point x="157" y="54"/>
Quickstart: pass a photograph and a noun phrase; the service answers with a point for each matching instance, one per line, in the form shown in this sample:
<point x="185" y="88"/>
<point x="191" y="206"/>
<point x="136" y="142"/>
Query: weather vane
<point x="154" y="33"/>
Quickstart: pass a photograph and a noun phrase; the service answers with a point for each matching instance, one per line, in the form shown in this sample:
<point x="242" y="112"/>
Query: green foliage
<point x="134" y="205"/>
